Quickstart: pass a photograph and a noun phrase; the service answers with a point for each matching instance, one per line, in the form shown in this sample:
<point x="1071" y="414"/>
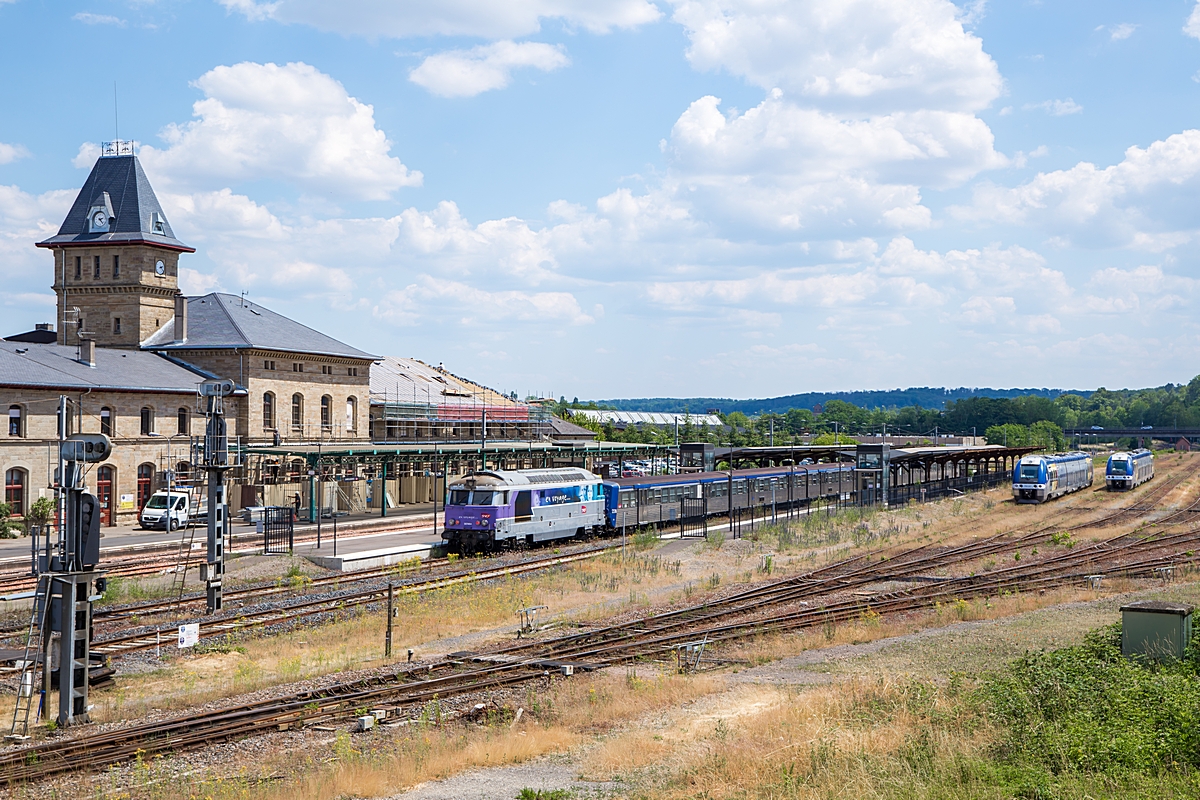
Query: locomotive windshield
<point x="459" y="497"/>
<point x="482" y="498"/>
<point x="1120" y="467"/>
<point x="1029" y="473"/>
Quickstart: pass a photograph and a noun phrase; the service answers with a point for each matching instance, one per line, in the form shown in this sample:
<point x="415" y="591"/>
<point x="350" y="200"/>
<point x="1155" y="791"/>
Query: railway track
<point x="725" y="620"/>
<point x="771" y="608"/>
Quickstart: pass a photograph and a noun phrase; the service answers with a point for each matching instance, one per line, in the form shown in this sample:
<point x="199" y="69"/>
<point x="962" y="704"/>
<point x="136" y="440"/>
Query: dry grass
<point x="833" y="741"/>
<point x="380" y="764"/>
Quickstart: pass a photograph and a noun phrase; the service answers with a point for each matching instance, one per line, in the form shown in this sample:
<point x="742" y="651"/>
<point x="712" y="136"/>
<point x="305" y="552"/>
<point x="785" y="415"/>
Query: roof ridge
<point x="228" y="316"/>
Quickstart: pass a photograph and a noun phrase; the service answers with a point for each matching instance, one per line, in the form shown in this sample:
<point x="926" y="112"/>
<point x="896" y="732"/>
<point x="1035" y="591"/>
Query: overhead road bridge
<point x="419" y="467"/>
<point x="1142" y="435"/>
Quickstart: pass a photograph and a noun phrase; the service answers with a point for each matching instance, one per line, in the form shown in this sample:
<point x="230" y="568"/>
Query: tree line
<point x="1025" y="420"/>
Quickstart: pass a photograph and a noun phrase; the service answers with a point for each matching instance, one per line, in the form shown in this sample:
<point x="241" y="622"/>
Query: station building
<point x="128" y="352"/>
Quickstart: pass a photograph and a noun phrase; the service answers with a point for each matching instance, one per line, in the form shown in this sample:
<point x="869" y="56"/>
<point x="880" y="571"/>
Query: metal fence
<point x="278" y="530"/>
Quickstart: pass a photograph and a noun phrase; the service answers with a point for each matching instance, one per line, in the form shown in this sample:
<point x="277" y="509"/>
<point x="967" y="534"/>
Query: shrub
<point x="1090" y="709"/>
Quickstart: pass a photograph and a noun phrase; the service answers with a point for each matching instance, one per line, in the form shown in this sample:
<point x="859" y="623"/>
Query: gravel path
<point x="506" y="783"/>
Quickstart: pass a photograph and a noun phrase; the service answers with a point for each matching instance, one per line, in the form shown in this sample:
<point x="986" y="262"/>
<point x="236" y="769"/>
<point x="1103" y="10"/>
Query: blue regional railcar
<point x="1037" y="479"/>
<point x="1127" y="470"/>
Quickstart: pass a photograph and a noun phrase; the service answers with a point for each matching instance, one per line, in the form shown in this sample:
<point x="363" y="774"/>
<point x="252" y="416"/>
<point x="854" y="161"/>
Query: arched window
<point x="145" y="486"/>
<point x="183" y="472"/>
<point x="182" y="416"/>
<point x="106" y="478"/>
<point x="147" y="421"/>
<point x="326" y="412"/>
<point x="16" y="421"/>
<point x="298" y="412"/>
<point x="268" y="410"/>
<point x="351" y="414"/>
<point x="14" y="490"/>
<point x="106" y="421"/>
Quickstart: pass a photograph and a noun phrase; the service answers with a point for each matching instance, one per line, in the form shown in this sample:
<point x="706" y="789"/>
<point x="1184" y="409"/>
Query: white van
<point x="155" y="514"/>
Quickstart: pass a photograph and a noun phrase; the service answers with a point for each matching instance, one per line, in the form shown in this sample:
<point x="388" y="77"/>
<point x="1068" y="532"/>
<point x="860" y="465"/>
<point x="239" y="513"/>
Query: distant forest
<point x="923" y="397"/>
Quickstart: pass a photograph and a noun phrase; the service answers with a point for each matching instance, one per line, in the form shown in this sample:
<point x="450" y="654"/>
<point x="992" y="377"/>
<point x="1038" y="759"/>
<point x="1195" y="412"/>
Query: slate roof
<point x="54" y="366"/>
<point x="37" y="335"/>
<point x="133" y="207"/>
<point x="224" y="321"/>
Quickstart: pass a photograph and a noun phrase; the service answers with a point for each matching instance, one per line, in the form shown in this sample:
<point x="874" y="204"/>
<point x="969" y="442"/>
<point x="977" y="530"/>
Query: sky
<point x="631" y="198"/>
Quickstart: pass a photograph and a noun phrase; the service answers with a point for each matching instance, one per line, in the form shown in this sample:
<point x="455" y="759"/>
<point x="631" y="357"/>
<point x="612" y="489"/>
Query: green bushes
<point x="1089" y="709"/>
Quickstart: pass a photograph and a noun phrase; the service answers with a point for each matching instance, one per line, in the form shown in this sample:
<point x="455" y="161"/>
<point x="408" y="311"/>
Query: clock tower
<point x="116" y="259"/>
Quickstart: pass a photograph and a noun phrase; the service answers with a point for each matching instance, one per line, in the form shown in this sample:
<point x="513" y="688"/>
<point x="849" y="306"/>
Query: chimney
<point x="180" y="318"/>
<point x="87" y="352"/>
<point x="44" y="326"/>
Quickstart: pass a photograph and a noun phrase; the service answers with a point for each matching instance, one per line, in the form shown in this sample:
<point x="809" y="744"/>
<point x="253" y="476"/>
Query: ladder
<point x="183" y="560"/>
<point x="352" y="501"/>
<point x="23" y="708"/>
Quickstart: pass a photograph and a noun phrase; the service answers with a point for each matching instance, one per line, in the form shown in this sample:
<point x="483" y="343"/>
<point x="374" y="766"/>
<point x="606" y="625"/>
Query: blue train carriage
<point x="658" y="499"/>
<point x="505" y="507"/>
<point x="1127" y="470"/>
<point x="1037" y="479"/>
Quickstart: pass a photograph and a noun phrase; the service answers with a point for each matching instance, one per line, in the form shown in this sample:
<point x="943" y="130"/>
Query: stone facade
<point x="345" y="382"/>
<point x="121" y="302"/>
<point x="33" y="449"/>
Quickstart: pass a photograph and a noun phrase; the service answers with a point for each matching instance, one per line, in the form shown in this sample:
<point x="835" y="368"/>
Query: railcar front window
<point x="1029" y="473"/>
<point x="459" y="497"/>
<point x="1120" y="468"/>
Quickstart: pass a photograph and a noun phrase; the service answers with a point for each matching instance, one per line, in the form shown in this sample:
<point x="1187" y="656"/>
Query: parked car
<point x="155" y="514"/>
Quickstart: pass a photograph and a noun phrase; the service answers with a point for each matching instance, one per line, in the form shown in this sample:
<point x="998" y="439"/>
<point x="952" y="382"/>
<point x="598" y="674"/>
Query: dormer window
<point x="99" y="218"/>
<point x="158" y="224"/>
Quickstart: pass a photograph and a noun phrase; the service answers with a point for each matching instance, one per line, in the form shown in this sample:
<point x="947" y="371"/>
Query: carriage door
<point x="524" y="506"/>
<point x="145" y="480"/>
<point x="104" y="489"/>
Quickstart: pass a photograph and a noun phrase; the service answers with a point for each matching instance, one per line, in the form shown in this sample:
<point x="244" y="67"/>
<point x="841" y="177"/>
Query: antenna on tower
<point x="116" y="117"/>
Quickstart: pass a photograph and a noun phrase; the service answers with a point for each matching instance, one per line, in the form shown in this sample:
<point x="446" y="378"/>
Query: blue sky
<point x="641" y="198"/>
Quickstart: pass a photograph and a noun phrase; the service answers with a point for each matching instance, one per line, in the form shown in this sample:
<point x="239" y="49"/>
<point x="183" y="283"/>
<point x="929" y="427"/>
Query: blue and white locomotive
<point x="496" y="507"/>
<point x="1127" y="470"/>
<point x="1037" y="479"/>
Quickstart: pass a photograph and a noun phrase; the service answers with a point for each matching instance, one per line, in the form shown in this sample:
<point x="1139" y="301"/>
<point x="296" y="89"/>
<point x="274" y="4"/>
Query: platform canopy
<point x="427" y="452"/>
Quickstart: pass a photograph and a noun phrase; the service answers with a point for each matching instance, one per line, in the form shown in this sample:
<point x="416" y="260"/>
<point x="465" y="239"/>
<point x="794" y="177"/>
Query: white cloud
<point x="24" y="220"/>
<point x="1056" y="108"/>
<point x="489" y="20"/>
<point x="291" y="123"/>
<point x="875" y="56"/>
<point x="11" y="152"/>
<point x="88" y="18"/>
<point x="474" y="306"/>
<point x="1122" y="31"/>
<point x="1192" y="26"/>
<point x="1145" y="201"/>
<point x="465" y="73"/>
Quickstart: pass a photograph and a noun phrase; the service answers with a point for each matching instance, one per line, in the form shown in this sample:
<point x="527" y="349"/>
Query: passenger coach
<point x="1037" y="479"/>
<point x="1127" y="470"/>
<point x="663" y="498"/>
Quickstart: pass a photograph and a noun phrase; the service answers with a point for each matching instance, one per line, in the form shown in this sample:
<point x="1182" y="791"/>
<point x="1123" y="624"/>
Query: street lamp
<point x="170" y="478"/>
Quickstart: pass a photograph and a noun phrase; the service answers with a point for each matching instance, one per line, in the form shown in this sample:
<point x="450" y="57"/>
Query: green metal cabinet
<point x="1155" y="630"/>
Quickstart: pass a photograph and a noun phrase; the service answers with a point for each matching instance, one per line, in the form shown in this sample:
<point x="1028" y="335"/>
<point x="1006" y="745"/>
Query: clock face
<point x="160" y="267"/>
<point x="99" y="220"/>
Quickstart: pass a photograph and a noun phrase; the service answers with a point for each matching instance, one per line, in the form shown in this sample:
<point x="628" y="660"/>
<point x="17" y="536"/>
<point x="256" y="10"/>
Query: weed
<point x="544" y="794"/>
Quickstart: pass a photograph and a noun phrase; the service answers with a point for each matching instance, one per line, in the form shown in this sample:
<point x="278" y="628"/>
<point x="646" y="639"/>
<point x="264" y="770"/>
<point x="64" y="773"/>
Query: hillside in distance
<point x="924" y="396"/>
